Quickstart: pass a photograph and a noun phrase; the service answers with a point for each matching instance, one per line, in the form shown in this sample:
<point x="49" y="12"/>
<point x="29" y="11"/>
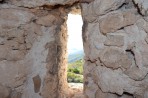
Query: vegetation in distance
<point x="75" y="71"/>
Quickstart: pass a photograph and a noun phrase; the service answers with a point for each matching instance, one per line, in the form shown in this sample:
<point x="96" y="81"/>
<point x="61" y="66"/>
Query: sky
<point x="74" y="23"/>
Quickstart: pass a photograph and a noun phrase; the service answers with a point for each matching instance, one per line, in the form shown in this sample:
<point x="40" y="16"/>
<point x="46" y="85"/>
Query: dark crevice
<point x="10" y="38"/>
<point x="66" y="5"/>
<point x="124" y="27"/>
<point x="15" y="49"/>
<point x="128" y="94"/>
<point x="131" y="55"/>
<point x="94" y="61"/>
<point x="122" y="5"/>
<point x="138" y="9"/>
<point x="131" y="52"/>
<point x="102" y="64"/>
<point x="121" y="28"/>
<point x="2" y="1"/>
<point x="50" y="7"/>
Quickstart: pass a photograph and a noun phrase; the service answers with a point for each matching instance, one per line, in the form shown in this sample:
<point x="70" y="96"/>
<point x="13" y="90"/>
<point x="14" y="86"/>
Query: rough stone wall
<point x="33" y="48"/>
<point x="116" y="48"/>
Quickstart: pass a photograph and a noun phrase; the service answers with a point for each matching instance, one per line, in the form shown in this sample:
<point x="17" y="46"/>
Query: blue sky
<point x="74" y="23"/>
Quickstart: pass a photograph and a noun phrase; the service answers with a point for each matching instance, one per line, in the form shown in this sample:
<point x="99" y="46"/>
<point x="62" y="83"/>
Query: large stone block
<point x="11" y="18"/>
<point x="114" y="81"/>
<point x="99" y="7"/>
<point x="136" y="73"/>
<point x="117" y="20"/>
<point x="115" y="40"/>
<point x="100" y="94"/>
<point x="113" y="57"/>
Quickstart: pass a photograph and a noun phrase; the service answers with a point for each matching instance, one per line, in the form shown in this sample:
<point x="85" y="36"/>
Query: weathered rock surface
<point x="117" y="20"/>
<point x="115" y="40"/>
<point x="4" y="91"/>
<point x="37" y="3"/>
<point x="33" y="48"/>
<point x="142" y="5"/>
<point x="115" y="58"/>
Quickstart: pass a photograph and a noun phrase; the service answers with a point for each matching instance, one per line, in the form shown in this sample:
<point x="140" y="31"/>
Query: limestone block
<point x="99" y="7"/>
<point x="136" y="73"/>
<point x="15" y="73"/>
<point x="15" y="55"/>
<point x="116" y="20"/>
<point x="105" y="6"/>
<point x="114" y="40"/>
<point x="94" y="41"/>
<point x="142" y="24"/>
<point x="115" y="81"/>
<point x="14" y="33"/>
<point x="100" y="94"/>
<point x="113" y="57"/>
<point x="11" y="18"/>
<point x="135" y="34"/>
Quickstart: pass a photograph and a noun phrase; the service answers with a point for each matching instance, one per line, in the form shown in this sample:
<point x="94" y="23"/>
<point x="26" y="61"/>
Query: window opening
<point x="75" y="51"/>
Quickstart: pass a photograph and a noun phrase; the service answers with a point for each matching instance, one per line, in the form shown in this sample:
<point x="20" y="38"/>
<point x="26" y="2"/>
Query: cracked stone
<point x="116" y="20"/>
<point x="115" y="58"/>
<point x="11" y="18"/>
<point x="99" y="7"/>
<point x="114" y="81"/>
<point x="142" y="6"/>
<point x="114" y="40"/>
<point x="136" y="73"/>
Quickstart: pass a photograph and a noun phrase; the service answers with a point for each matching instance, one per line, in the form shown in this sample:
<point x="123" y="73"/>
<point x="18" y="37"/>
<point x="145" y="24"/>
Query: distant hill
<point x="75" y="56"/>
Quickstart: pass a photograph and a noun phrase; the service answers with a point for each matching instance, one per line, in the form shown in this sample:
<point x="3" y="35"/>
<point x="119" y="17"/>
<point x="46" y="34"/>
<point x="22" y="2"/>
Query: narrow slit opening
<point x="75" y="51"/>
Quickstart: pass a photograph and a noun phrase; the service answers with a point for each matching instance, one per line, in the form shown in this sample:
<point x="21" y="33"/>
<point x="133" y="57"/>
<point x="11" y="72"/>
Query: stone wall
<point x="33" y="48"/>
<point x="116" y="48"/>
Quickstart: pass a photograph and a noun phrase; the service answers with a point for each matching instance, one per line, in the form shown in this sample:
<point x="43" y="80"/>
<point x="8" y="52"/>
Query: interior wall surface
<point x="116" y="48"/>
<point x="33" y="48"/>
